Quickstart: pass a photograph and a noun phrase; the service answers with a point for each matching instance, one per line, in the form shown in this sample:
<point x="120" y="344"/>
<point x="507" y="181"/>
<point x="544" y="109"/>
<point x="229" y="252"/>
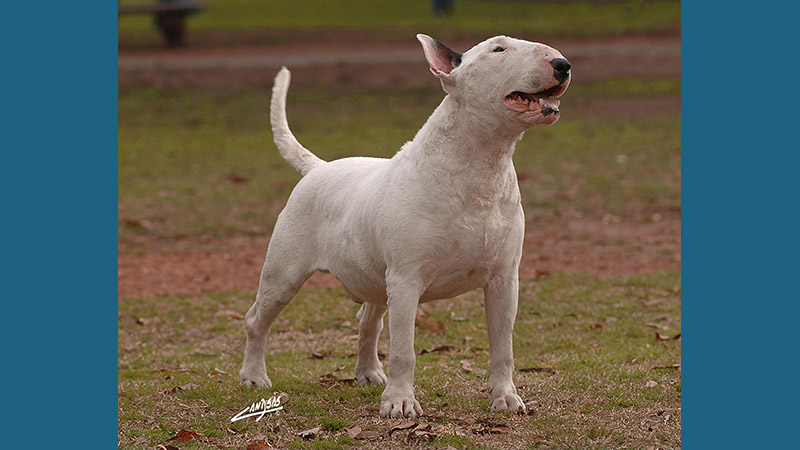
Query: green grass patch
<point x="281" y="20"/>
<point x="595" y="333"/>
<point x="199" y="162"/>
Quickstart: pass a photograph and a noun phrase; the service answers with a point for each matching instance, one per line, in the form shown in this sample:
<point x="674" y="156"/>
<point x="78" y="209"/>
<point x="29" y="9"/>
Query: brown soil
<point x="592" y="59"/>
<point x="592" y="246"/>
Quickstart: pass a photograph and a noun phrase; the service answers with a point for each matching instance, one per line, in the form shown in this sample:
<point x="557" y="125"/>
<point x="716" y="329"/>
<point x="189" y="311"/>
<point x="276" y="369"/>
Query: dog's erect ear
<point x="441" y="59"/>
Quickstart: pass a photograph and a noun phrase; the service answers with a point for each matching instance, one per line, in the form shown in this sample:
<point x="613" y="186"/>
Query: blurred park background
<point x="201" y="185"/>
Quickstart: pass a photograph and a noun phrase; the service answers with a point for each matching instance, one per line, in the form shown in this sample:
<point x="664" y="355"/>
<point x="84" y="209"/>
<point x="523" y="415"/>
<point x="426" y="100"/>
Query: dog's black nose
<point x="562" y="68"/>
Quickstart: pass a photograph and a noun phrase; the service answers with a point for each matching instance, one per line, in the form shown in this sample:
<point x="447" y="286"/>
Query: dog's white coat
<point x="440" y="218"/>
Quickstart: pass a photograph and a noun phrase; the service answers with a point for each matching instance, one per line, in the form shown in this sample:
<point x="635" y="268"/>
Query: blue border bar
<point x="740" y="225"/>
<point x="59" y="226"/>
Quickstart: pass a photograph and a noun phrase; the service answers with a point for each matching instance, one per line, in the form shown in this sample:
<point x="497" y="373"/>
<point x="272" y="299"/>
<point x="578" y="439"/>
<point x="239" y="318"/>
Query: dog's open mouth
<point x="541" y="102"/>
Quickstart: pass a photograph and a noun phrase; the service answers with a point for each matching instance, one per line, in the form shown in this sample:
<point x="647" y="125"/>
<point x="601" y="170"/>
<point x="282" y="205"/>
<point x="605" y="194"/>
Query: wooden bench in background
<point x="170" y="16"/>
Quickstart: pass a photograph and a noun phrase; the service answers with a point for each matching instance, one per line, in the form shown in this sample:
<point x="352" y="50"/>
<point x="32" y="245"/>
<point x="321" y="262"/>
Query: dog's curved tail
<point x="291" y="150"/>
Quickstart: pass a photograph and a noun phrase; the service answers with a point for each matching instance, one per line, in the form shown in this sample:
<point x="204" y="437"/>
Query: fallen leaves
<point x="353" y="432"/>
<point x="231" y="315"/>
<point x="441" y="348"/>
<point x="262" y="445"/>
<point x="549" y="370"/>
<point x="180" y="368"/>
<point x="367" y="436"/>
<point x="671" y="366"/>
<point x="185" y="436"/>
<point x="331" y="381"/>
<point x="317" y="355"/>
<point x="310" y="433"/>
<point x="238" y="179"/>
<point x="217" y="372"/>
<point x="493" y="429"/>
<point x="403" y="426"/>
<point x="421" y="433"/>
<point x="651" y="384"/>
<point x="468" y="366"/>
<point x="144" y="225"/>
<point x="661" y="337"/>
<point x="185" y="387"/>
<point x="486" y="426"/>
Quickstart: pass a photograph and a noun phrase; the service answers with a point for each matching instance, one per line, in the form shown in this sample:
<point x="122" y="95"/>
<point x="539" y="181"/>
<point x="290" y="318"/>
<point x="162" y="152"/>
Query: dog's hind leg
<point x="284" y="272"/>
<point x="369" y="371"/>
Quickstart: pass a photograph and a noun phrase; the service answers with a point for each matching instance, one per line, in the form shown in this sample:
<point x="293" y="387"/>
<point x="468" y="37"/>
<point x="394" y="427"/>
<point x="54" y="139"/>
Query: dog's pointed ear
<point x="441" y="58"/>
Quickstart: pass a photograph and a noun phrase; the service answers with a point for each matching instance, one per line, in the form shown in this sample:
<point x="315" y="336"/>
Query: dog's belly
<point x="445" y="285"/>
<point x="455" y="283"/>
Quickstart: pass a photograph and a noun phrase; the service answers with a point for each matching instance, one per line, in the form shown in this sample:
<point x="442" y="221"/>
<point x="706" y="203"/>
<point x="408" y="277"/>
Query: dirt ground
<point x="375" y="64"/>
<point x="607" y="246"/>
<point x="597" y="247"/>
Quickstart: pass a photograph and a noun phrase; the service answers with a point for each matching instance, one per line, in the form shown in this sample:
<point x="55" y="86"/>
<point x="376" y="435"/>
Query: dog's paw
<point x="372" y="376"/>
<point x="509" y="402"/>
<point x="255" y="378"/>
<point x="400" y="406"/>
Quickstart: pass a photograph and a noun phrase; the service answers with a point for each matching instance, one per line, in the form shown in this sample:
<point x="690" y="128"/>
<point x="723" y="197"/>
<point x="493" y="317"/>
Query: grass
<point x="197" y="162"/>
<point x="278" y="21"/>
<point x="201" y="162"/>
<point x="595" y="333"/>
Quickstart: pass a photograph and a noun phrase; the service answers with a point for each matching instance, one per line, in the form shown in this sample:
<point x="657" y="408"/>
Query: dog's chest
<point x="477" y="241"/>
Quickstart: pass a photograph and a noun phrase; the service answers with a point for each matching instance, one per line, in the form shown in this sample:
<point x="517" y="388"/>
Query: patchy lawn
<point x="236" y="22"/>
<point x="597" y="361"/>
<point x="198" y="162"/>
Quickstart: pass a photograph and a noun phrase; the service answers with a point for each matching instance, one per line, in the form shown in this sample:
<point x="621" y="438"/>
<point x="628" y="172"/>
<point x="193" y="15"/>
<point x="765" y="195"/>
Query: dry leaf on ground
<point x="185" y="387"/>
<point x="403" y="426"/>
<point x="259" y="446"/>
<point x="488" y="427"/>
<point x="661" y="337"/>
<point x="672" y="366"/>
<point x="421" y="433"/>
<point x="330" y="380"/>
<point x="441" y="348"/>
<point x="232" y="315"/>
<point x="309" y="434"/>
<point x="185" y="435"/>
<point x="539" y="370"/>
<point x="216" y="372"/>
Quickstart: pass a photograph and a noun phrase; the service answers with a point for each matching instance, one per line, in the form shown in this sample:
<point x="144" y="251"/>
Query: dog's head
<point x="503" y="78"/>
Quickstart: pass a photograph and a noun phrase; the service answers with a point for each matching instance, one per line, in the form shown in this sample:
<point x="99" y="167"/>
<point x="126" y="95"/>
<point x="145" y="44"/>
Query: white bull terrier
<point x="442" y="217"/>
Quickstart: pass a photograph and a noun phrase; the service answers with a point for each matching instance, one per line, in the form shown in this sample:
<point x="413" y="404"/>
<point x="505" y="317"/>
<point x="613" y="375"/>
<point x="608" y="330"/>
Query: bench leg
<point x="172" y="25"/>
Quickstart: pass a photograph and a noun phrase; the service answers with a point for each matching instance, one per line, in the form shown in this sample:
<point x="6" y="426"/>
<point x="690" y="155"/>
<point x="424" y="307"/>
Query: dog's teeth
<point x="541" y="102"/>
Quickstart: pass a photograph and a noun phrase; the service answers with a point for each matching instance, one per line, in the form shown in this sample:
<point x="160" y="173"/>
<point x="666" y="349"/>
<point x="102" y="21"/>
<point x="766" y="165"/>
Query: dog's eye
<point x="499" y="49"/>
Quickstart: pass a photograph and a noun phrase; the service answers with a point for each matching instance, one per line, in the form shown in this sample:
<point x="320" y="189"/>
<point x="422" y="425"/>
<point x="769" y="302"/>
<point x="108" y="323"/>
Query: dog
<point x="443" y="216"/>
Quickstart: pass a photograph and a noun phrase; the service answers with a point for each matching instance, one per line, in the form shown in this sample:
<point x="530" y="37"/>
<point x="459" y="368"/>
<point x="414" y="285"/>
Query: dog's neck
<point x="458" y="147"/>
<point x="458" y="138"/>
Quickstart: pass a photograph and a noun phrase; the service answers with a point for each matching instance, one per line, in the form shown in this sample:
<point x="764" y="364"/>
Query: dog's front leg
<point x="398" y="398"/>
<point x="500" y="297"/>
